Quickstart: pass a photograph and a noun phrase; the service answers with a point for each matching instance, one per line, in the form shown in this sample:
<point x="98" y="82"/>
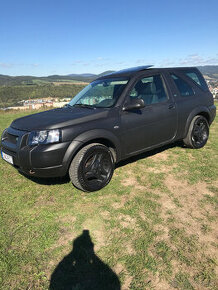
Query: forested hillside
<point x="11" y="95"/>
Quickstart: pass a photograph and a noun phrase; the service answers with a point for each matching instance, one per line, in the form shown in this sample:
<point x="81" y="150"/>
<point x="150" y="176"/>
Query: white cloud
<point x="167" y="62"/>
<point x="194" y="55"/>
<point x="140" y="61"/>
<point x="100" y="64"/>
<point x="190" y="60"/>
<point x="35" y="64"/>
<point x="77" y="62"/>
<point x="9" y="65"/>
<point x="80" y="62"/>
<point x="196" y="59"/>
<point x="101" y="58"/>
<point x="6" y="65"/>
<point x="120" y="63"/>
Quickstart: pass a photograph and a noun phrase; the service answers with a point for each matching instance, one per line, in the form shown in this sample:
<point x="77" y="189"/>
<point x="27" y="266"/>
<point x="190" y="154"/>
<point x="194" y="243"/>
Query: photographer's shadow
<point x="81" y="269"/>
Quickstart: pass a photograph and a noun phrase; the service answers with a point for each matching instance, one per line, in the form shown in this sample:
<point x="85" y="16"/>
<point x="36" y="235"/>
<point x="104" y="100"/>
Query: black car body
<point x="143" y="108"/>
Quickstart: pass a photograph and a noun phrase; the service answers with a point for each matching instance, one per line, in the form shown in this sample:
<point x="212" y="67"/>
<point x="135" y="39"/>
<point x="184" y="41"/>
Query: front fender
<point x="86" y="137"/>
<point x="101" y="134"/>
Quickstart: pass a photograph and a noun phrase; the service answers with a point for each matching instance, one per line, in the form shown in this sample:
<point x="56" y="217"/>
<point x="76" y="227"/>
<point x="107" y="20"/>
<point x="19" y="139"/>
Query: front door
<point x="156" y="123"/>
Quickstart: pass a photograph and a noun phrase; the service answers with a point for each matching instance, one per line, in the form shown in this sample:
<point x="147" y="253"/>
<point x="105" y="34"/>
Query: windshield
<point x="100" y="93"/>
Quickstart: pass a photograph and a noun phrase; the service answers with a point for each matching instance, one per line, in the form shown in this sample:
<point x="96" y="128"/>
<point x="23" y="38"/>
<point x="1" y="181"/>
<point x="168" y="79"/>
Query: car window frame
<point x="185" y="79"/>
<point x="200" y="77"/>
<point x="147" y="75"/>
<point x="120" y="97"/>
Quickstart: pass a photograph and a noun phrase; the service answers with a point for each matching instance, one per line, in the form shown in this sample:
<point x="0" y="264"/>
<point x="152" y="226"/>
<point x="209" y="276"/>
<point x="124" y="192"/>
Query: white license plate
<point x="7" y="158"/>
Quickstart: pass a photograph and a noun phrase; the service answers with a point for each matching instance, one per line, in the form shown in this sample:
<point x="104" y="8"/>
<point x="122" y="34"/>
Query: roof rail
<point x="134" y="69"/>
<point x="129" y="70"/>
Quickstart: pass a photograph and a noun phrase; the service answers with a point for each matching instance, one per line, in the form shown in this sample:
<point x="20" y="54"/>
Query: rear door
<point x="156" y="123"/>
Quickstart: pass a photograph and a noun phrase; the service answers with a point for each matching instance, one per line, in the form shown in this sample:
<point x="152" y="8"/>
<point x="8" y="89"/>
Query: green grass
<point x="152" y="227"/>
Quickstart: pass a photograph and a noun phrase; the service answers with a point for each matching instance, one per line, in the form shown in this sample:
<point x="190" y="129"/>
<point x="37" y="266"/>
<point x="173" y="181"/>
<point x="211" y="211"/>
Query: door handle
<point x="171" y="106"/>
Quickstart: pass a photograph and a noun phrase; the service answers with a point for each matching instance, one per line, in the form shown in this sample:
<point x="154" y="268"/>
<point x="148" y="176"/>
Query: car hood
<point x="58" y="118"/>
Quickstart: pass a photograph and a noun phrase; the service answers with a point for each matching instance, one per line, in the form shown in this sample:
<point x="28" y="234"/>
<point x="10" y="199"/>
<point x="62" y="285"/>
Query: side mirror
<point x="134" y="104"/>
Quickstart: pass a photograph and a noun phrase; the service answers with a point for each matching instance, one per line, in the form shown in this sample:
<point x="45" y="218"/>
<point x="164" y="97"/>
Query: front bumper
<point x="44" y="160"/>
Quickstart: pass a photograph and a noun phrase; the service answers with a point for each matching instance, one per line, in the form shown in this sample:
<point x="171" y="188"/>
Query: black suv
<point x="114" y="117"/>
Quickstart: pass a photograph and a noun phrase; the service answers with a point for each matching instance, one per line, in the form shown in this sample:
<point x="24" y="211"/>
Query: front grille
<point x="14" y="139"/>
<point x="12" y="143"/>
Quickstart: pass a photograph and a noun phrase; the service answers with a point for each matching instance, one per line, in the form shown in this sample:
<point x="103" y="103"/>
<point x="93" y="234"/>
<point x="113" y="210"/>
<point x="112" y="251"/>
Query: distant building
<point x="36" y="104"/>
<point x="59" y="104"/>
<point x="16" y="108"/>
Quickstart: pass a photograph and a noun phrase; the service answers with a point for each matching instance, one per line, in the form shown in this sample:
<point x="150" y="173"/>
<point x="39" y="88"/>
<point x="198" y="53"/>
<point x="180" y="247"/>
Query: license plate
<point x="7" y="158"/>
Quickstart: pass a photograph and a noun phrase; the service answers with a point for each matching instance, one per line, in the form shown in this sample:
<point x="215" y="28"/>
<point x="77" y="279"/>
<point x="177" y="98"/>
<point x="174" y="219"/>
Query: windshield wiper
<point x="85" y="106"/>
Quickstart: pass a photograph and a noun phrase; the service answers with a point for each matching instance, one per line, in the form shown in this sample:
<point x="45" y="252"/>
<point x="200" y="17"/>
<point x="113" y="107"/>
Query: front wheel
<point x="92" y="167"/>
<point x="198" y="133"/>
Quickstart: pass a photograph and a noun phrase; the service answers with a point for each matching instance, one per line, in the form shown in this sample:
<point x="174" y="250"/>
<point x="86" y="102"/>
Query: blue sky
<point x="42" y="37"/>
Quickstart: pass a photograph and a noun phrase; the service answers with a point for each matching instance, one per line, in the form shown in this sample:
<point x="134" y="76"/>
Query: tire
<point x="92" y="167"/>
<point x="198" y="133"/>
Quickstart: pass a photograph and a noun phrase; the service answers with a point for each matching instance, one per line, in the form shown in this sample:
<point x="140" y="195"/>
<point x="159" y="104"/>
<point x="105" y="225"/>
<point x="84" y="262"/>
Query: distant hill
<point x="105" y="73"/>
<point x="82" y="75"/>
<point x="208" y="69"/>
<point x="8" y="80"/>
<point x="5" y="80"/>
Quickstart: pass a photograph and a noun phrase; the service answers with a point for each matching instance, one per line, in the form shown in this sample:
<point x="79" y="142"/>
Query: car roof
<point x="129" y="72"/>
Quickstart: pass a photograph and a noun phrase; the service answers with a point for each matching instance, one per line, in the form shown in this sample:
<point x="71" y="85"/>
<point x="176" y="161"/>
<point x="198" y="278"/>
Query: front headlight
<point x="3" y="136"/>
<point x="44" y="137"/>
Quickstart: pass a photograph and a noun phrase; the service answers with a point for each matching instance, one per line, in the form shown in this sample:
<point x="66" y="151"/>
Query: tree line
<point x="11" y="95"/>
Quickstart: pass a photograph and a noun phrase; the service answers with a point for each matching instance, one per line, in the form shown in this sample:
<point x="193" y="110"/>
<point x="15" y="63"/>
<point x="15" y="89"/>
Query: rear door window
<point x="183" y="87"/>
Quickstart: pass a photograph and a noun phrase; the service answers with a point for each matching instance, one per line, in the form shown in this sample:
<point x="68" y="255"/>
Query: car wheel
<point x="92" y="167"/>
<point x="198" y="133"/>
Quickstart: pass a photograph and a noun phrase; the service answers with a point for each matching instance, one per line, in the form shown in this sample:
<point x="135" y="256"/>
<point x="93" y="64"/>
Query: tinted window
<point x="197" y="79"/>
<point x="150" y="89"/>
<point x="184" y="88"/>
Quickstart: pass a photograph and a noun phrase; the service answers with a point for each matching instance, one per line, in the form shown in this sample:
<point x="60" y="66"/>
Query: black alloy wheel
<point x="198" y="133"/>
<point x="92" y="167"/>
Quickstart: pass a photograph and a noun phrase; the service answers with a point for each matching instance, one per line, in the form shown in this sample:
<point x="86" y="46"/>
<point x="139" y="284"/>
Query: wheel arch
<point x="206" y="115"/>
<point x="202" y="111"/>
<point x="106" y="142"/>
<point x="103" y="137"/>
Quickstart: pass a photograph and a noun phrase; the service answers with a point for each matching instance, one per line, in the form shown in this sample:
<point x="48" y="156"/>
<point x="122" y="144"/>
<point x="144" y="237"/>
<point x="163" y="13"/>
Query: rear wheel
<point x="92" y="167"/>
<point x="198" y="133"/>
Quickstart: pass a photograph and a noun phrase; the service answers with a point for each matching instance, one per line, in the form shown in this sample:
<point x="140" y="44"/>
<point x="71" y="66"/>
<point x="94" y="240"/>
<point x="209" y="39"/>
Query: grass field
<point x="153" y="227"/>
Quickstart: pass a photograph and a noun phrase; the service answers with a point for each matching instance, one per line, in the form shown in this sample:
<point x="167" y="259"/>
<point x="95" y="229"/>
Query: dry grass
<point x="153" y="227"/>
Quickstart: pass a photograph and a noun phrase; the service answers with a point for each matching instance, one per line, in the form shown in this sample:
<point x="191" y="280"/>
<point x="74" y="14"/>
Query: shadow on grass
<point x="82" y="269"/>
<point x="66" y="179"/>
<point x="48" y="180"/>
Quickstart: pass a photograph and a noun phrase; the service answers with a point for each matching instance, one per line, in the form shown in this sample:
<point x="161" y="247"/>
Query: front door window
<point x="150" y="90"/>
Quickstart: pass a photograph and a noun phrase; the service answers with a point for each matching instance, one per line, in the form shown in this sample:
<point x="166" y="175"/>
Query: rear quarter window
<point x="183" y="87"/>
<point x="198" y="79"/>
